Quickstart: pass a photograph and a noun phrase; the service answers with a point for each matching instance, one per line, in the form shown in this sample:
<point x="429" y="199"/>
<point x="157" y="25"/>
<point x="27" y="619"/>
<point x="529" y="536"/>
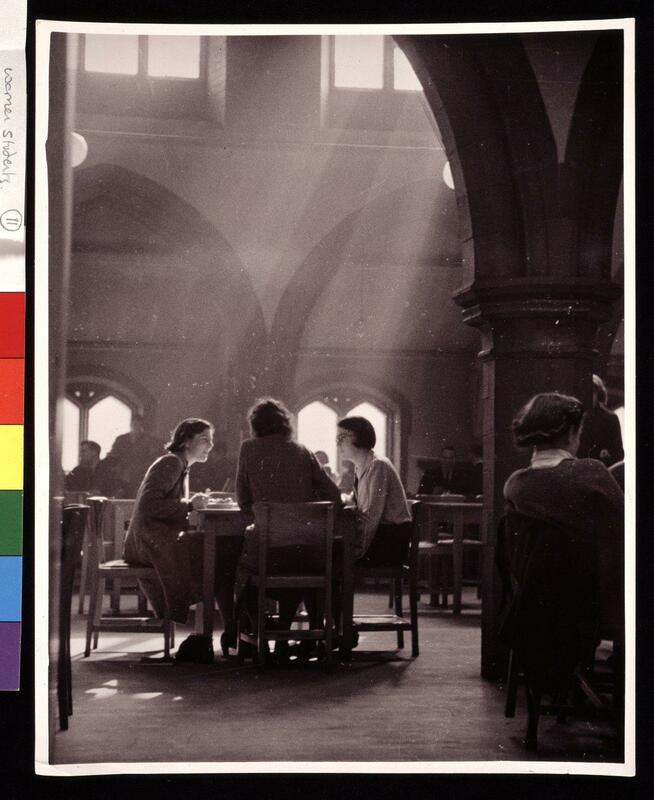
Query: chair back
<point x="551" y="577"/>
<point x="294" y="537"/>
<point x="116" y="515"/>
<point x="95" y="542"/>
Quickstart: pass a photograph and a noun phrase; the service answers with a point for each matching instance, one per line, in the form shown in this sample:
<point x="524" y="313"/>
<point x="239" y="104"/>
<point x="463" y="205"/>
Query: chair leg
<point x="172" y="634"/>
<point x="115" y="597"/>
<point x="533" y="715"/>
<point x="329" y="624"/>
<point x="262" y="642"/>
<point x="62" y="693"/>
<point x="397" y="586"/>
<point x="413" y="608"/>
<point x="166" y="635"/>
<point x="98" y="613"/>
<point x="83" y="576"/>
<point x="511" y="686"/>
<point x="90" y="620"/>
<point x="142" y="601"/>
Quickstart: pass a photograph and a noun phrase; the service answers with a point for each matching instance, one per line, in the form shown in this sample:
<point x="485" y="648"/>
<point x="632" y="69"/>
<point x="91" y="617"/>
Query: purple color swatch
<point x="9" y="656"/>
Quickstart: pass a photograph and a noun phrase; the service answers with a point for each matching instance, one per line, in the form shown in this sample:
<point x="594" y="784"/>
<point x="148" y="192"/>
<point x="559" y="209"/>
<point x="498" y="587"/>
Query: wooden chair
<point x="551" y="588"/>
<point x="115" y="521"/>
<point x="302" y="534"/>
<point x="396" y="622"/>
<point x="100" y="570"/>
<point x="436" y="553"/>
<point x="73" y="526"/>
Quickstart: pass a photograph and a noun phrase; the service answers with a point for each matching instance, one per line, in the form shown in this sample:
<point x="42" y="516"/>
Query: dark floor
<point x="383" y="706"/>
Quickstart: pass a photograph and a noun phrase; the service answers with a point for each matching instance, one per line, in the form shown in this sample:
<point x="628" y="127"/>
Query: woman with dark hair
<point x="579" y="494"/>
<point x="383" y="521"/>
<point x="274" y="468"/>
<point x="161" y="514"/>
<point x="565" y="520"/>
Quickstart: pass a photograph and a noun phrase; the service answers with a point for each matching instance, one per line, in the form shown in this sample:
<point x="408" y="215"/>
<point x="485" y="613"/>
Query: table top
<point x="472" y="505"/>
<point x="223" y="508"/>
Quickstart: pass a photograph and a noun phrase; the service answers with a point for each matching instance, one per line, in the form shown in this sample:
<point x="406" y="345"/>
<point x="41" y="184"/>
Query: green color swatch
<point x="11" y="523"/>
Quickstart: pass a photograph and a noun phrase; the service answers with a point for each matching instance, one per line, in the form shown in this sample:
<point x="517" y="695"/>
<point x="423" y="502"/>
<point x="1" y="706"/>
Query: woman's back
<point x="577" y="494"/>
<point x="276" y="469"/>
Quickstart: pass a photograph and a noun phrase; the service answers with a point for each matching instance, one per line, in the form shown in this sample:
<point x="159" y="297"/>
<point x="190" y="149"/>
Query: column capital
<point x="511" y="298"/>
<point x="538" y="318"/>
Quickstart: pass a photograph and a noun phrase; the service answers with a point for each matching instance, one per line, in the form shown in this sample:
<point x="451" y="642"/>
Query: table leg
<point x="347" y="601"/>
<point x="457" y="560"/>
<point x="208" y="578"/>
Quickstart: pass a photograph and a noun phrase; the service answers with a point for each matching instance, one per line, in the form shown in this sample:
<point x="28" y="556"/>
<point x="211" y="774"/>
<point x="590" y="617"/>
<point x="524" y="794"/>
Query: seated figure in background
<point x="130" y="456"/>
<point x="274" y="468"/>
<point x="323" y="460"/>
<point x="601" y="436"/>
<point x="446" y="476"/>
<point x="91" y="474"/>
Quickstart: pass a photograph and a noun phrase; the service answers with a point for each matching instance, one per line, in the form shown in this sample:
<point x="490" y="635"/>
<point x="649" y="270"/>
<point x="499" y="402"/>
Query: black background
<point x="17" y="779"/>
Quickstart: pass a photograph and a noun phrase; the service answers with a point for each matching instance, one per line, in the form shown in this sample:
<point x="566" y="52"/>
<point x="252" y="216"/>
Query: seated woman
<point x="274" y="468"/>
<point x="161" y="514"/>
<point x="382" y="518"/>
<point x="571" y="515"/>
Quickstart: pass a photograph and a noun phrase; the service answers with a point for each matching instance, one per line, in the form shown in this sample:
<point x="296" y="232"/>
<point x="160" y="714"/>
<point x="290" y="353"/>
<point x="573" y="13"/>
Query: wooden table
<point x="217" y="521"/>
<point x="231" y="521"/>
<point x="457" y="513"/>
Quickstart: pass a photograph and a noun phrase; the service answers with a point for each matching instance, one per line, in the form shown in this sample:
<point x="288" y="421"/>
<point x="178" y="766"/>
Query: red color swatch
<point x="12" y="384"/>
<point x="12" y="324"/>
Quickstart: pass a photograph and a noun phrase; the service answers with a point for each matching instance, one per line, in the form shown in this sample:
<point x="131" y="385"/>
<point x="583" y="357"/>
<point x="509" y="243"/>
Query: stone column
<point x="538" y="335"/>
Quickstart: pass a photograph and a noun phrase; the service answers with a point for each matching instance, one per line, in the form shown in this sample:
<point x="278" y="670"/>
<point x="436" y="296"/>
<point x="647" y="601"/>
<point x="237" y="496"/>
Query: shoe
<point x="282" y="652"/>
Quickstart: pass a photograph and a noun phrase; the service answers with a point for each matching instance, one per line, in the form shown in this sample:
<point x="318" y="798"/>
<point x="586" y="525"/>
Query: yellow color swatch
<point x="11" y="457"/>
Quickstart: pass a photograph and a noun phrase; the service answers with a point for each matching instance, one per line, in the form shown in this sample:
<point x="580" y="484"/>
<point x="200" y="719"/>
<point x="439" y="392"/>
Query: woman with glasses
<point x="382" y="517"/>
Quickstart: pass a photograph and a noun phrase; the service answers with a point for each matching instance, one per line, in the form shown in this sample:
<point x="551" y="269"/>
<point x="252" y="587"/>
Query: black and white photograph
<point x="334" y="398"/>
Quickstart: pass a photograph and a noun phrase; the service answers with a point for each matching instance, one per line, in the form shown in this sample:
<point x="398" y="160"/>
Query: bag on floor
<point x="196" y="649"/>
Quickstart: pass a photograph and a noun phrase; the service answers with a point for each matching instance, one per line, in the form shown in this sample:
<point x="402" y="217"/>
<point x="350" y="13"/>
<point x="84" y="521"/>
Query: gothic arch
<point x="179" y="225"/>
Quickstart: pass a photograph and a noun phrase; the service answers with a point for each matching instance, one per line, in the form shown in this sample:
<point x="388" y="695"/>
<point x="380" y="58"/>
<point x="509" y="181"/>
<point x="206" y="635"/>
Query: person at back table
<point x="601" y="437"/>
<point x="274" y="468"/>
<point x="130" y="456"/>
<point x="446" y="476"/>
<point x="90" y="475"/>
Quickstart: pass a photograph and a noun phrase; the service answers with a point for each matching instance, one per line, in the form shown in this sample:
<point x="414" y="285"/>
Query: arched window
<point x="316" y="428"/>
<point x="108" y="418"/>
<point x="316" y="425"/>
<point x="71" y="435"/>
<point x="97" y="411"/>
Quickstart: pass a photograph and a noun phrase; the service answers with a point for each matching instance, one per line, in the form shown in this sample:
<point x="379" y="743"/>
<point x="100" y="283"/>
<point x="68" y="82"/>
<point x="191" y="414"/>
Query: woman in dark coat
<point x="565" y="516"/>
<point x="160" y="515"/>
<point x="274" y="468"/>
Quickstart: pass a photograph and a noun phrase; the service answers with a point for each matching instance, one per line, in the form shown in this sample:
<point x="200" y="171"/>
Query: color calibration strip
<point x="12" y="376"/>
